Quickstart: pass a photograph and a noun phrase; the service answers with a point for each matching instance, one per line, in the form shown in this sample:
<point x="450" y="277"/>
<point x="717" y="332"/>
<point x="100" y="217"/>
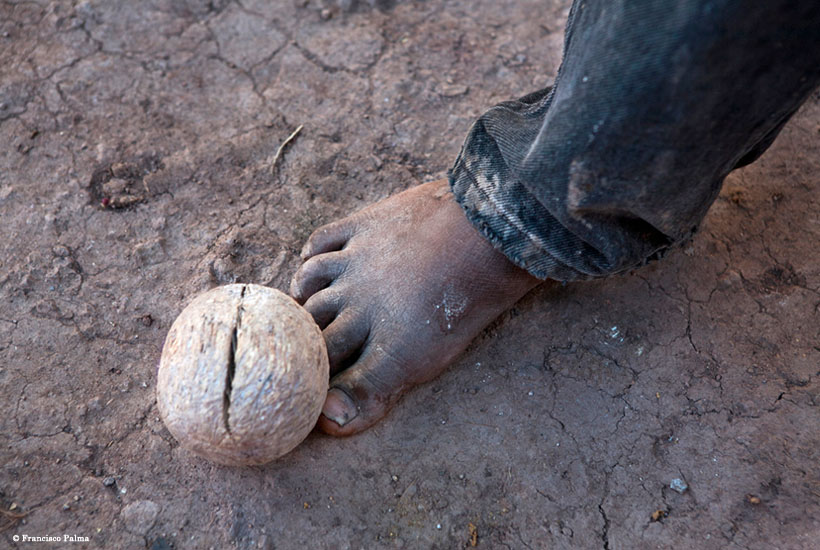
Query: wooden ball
<point x="243" y="375"/>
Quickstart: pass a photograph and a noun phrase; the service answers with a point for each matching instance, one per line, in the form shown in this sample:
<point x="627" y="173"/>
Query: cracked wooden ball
<point x="243" y="375"/>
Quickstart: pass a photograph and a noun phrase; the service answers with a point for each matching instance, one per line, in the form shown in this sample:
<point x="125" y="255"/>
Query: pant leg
<point x="654" y="104"/>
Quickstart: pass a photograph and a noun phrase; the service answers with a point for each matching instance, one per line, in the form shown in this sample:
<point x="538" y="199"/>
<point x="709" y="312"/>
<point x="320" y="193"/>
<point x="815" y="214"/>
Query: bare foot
<point x="399" y="288"/>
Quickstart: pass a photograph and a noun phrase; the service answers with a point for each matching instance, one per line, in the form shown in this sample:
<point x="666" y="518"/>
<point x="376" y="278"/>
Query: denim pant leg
<point x="654" y="104"/>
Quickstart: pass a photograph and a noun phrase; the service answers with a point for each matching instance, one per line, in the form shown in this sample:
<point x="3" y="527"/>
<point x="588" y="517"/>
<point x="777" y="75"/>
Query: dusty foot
<point x="399" y="288"/>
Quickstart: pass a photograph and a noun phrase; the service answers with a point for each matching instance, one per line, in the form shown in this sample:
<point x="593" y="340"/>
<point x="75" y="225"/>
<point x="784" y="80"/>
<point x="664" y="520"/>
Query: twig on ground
<point x="278" y="154"/>
<point x="10" y="519"/>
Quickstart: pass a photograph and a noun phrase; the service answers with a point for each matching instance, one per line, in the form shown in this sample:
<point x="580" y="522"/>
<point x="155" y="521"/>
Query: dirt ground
<point x="137" y="142"/>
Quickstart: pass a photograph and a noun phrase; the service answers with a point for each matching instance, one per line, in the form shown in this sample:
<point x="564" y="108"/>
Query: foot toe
<point x="345" y="336"/>
<point x="328" y="238"/>
<point x="362" y="394"/>
<point x="325" y="305"/>
<point x="317" y="273"/>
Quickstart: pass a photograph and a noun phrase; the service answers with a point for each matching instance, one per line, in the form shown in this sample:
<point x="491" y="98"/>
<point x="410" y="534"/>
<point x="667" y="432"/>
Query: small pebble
<point x="678" y="485"/>
<point x="453" y="90"/>
<point x="109" y="481"/>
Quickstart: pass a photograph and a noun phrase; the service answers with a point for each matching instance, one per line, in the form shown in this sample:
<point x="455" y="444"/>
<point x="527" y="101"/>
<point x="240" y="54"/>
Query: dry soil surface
<point x="137" y="142"/>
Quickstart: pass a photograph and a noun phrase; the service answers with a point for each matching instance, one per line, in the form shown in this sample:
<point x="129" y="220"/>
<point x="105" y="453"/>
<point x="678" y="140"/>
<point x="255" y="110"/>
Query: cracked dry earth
<point x="136" y="172"/>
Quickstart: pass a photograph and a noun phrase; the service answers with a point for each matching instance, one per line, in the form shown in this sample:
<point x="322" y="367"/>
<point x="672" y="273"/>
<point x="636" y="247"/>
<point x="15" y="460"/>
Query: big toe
<point x="362" y="394"/>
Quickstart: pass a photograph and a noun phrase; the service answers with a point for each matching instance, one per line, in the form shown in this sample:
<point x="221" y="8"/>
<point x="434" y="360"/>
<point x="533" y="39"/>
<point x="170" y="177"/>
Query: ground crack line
<point x="605" y="532"/>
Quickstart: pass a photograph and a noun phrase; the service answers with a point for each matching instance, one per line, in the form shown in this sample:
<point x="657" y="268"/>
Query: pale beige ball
<point x="243" y="375"/>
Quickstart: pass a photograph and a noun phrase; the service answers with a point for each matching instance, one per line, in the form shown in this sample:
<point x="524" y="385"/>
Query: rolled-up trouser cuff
<point x="505" y="212"/>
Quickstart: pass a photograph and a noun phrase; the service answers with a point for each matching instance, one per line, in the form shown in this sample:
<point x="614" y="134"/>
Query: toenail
<point x="339" y="407"/>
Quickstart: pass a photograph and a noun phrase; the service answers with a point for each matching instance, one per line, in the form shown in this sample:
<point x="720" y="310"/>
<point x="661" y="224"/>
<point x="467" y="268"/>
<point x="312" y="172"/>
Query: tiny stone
<point x="66" y="507"/>
<point x="394" y="477"/>
<point x="678" y="485"/>
<point x="326" y="14"/>
<point x="109" y="481"/>
<point x="453" y="90"/>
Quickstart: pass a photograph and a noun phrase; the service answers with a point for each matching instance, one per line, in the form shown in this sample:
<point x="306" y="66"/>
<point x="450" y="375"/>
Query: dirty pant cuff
<point x="504" y="211"/>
